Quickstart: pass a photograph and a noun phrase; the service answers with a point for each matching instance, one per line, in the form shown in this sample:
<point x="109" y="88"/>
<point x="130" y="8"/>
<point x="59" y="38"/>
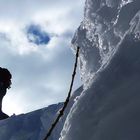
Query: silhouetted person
<point x="5" y="83"/>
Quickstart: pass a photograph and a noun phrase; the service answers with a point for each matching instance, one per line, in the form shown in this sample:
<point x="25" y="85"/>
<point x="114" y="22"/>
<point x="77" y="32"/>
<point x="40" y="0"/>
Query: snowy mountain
<point x="29" y="126"/>
<point x="109" y="41"/>
<point x="108" y="107"/>
<point x="34" y="125"/>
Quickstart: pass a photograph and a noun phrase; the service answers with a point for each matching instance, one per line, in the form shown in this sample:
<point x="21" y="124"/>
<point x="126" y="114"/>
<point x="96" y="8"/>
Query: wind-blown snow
<point x="109" y="40"/>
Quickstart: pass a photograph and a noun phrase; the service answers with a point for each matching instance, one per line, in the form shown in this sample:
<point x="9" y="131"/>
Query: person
<point x="5" y="83"/>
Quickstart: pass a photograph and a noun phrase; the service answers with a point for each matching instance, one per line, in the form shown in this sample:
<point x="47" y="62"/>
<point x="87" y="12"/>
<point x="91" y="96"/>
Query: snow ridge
<point x="34" y="125"/>
<point x="109" y="40"/>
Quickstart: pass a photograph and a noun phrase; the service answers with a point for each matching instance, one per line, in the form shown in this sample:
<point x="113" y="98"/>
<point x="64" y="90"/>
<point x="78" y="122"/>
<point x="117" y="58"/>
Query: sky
<point x="35" y="40"/>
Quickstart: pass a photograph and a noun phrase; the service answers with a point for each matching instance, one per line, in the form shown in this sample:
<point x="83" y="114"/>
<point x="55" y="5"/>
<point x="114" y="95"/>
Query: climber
<point x="5" y="83"/>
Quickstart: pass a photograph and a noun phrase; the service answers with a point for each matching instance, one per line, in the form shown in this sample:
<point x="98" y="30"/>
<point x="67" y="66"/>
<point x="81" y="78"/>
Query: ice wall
<point x="105" y="24"/>
<point x="109" y="40"/>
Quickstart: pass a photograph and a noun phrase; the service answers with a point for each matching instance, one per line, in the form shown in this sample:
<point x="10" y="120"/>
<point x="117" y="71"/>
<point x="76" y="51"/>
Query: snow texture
<point x="109" y="41"/>
<point x="34" y="125"/>
<point x="29" y="126"/>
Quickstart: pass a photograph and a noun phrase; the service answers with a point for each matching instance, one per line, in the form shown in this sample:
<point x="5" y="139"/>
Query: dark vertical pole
<point x="67" y="99"/>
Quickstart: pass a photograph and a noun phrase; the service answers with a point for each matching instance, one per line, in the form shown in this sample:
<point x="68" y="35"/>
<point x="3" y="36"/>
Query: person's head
<point x="5" y="79"/>
<point x="5" y="83"/>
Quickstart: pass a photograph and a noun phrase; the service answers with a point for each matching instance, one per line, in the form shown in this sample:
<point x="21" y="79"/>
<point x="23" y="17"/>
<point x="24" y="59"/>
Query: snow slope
<point x="29" y="126"/>
<point x="34" y="125"/>
<point x="109" y="40"/>
<point x="108" y="108"/>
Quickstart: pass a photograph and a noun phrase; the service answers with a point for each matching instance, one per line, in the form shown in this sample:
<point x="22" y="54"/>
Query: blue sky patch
<point x="37" y="36"/>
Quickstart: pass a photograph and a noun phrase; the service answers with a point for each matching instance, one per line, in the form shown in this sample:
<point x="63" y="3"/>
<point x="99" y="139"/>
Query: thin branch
<point x="67" y="99"/>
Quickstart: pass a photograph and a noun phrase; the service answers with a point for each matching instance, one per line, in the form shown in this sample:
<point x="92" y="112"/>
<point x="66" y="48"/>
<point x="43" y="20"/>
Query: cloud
<point x="41" y="75"/>
<point x="38" y="80"/>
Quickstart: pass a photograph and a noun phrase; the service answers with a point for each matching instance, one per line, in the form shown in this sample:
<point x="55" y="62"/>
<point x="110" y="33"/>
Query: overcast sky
<point x="35" y="44"/>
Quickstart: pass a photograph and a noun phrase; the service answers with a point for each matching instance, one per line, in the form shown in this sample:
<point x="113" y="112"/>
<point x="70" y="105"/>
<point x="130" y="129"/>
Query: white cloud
<point x="41" y="74"/>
